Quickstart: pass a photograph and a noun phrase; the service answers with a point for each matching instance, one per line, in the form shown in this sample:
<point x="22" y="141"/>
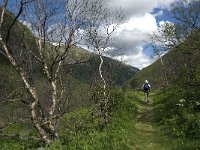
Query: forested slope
<point x="79" y="78"/>
<point x="80" y="127"/>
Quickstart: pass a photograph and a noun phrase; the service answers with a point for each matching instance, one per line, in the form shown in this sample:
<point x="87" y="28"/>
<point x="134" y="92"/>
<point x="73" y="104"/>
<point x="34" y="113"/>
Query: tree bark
<point x="30" y="89"/>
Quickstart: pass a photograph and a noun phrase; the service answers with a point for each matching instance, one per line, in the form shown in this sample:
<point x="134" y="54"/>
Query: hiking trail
<point x="147" y="135"/>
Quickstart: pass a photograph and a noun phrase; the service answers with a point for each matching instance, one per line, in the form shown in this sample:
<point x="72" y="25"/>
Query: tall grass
<point x="80" y="129"/>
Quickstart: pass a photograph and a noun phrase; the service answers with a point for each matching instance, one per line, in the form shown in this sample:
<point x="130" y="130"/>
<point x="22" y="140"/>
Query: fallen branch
<point x="12" y="123"/>
<point x="11" y="100"/>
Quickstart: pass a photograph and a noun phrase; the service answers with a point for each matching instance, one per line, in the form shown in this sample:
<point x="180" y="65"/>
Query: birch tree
<point x="52" y="22"/>
<point x="163" y="40"/>
<point x="58" y="26"/>
<point x="102" y="24"/>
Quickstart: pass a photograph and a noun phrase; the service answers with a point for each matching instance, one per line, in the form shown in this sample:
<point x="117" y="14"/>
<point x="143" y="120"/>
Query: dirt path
<point x="147" y="135"/>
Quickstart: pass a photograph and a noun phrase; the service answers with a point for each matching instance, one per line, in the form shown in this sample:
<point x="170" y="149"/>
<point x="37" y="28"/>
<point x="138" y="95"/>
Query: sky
<point x="144" y="17"/>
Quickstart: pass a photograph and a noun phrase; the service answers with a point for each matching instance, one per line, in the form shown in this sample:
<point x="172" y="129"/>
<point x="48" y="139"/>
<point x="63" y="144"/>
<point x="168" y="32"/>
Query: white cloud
<point x="145" y="24"/>
<point x="132" y="35"/>
<point x="139" y="60"/>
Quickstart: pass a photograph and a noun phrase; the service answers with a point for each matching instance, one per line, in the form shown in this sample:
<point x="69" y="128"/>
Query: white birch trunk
<point x="100" y="73"/>
<point x="163" y="67"/>
<point x="30" y="89"/>
<point x="104" y="101"/>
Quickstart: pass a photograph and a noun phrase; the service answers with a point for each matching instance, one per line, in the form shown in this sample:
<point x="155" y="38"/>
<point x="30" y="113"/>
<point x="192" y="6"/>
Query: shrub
<point x="174" y="110"/>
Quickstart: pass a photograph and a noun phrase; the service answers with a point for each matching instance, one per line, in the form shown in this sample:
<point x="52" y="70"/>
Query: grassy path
<point x="147" y="134"/>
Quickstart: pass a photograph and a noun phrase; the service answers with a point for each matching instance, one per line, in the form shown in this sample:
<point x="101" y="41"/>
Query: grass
<point x="132" y="127"/>
<point x="80" y="130"/>
<point x="149" y="134"/>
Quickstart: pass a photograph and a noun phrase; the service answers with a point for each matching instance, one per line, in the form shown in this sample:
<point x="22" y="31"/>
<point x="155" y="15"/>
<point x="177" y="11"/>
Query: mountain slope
<point x="179" y="65"/>
<point x="115" y="72"/>
<point x="78" y="78"/>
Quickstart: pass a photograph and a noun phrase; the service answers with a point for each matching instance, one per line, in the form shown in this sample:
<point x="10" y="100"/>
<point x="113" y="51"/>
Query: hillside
<point x="115" y="72"/>
<point x="79" y="79"/>
<point x="177" y="63"/>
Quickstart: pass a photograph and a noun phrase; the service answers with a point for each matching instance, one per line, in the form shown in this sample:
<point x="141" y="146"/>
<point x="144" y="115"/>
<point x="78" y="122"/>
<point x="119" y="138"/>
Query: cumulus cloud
<point x="139" y="60"/>
<point x="133" y="35"/>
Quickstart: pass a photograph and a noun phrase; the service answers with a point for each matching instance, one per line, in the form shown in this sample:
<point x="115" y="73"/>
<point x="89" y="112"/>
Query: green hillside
<point x="80" y="79"/>
<point x="177" y="65"/>
<point x="115" y="72"/>
<point x="154" y="73"/>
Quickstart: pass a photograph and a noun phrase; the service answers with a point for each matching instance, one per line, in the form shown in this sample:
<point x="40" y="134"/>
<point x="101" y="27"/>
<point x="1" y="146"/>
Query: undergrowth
<point x="177" y="114"/>
<point x="80" y="129"/>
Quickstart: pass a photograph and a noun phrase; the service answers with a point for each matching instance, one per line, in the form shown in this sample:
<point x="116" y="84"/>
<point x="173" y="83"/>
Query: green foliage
<point x="17" y="144"/>
<point x="77" y="78"/>
<point x="153" y="73"/>
<point x="176" y="114"/>
<point x="177" y="106"/>
<point x="79" y="130"/>
<point x="181" y="64"/>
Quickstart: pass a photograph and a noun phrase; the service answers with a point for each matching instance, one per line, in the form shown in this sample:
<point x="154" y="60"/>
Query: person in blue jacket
<point x="146" y="88"/>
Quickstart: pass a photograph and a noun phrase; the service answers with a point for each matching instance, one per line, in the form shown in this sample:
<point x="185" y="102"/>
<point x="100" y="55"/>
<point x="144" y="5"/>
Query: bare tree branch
<point x="12" y="123"/>
<point x="22" y="3"/>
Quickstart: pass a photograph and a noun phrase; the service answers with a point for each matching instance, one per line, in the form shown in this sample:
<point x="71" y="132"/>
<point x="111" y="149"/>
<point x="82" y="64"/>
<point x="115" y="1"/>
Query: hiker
<point x="146" y="88"/>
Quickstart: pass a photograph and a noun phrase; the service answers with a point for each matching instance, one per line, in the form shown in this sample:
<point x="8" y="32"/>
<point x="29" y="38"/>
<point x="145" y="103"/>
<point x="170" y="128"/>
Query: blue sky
<point x="161" y="15"/>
